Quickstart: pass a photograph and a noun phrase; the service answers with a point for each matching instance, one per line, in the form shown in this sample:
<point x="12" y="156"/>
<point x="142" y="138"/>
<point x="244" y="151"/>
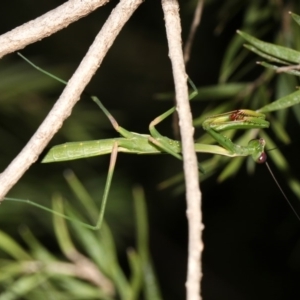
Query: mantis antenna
<point x="263" y="159"/>
<point x="281" y="190"/>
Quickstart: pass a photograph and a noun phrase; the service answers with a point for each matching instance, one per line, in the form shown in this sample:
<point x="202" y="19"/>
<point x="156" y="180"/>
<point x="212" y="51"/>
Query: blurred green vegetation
<point x="251" y="236"/>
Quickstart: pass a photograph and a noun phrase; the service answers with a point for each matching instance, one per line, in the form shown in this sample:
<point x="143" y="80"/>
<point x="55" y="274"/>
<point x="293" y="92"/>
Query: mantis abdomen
<point x="77" y="150"/>
<point x="135" y="144"/>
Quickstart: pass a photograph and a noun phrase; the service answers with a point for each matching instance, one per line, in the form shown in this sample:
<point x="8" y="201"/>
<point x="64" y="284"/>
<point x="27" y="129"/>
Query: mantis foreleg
<point x="238" y="119"/>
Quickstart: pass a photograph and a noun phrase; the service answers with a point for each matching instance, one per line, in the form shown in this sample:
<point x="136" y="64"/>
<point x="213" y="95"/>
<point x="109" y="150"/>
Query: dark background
<point x="251" y="236"/>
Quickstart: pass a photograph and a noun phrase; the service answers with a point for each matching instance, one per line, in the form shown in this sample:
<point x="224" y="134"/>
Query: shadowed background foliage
<point x="251" y="236"/>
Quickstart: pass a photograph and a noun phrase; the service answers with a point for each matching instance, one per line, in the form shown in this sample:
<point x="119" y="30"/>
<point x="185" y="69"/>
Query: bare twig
<point x="287" y="68"/>
<point x="173" y="27"/>
<point x="63" y="107"/>
<point x="47" y="24"/>
<point x="84" y="270"/>
<point x="187" y="53"/>
<point x="193" y="29"/>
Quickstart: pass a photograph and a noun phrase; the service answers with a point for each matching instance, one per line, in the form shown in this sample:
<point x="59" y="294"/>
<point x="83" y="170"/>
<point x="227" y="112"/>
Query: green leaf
<point x="280" y="131"/>
<point x="221" y="91"/>
<point x="8" y="245"/>
<point x="295" y="17"/>
<point x="231" y="169"/>
<point x="276" y="51"/>
<point x="264" y="55"/>
<point x="282" y="103"/>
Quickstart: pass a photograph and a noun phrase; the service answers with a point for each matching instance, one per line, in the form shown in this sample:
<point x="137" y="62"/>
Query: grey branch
<point x="47" y="24"/>
<point x="190" y="164"/>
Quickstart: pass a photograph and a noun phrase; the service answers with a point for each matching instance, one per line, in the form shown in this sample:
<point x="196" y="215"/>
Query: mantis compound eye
<point x="262" y="158"/>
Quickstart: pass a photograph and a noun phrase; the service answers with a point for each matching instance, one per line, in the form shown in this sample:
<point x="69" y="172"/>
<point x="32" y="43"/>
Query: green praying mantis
<point x="155" y="143"/>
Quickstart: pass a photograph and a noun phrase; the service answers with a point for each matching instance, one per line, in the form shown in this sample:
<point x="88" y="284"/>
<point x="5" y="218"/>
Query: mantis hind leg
<point x="110" y="173"/>
<point x="79" y="190"/>
<point x="113" y="159"/>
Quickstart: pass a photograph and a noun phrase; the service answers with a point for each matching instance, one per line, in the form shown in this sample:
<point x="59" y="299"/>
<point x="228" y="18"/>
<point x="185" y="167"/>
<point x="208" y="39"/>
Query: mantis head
<point x="258" y="150"/>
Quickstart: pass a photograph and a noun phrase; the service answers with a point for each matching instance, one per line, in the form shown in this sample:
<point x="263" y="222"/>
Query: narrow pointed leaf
<point x="277" y="51"/>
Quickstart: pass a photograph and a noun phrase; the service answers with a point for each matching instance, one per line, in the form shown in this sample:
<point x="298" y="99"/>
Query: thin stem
<point x="193" y="29"/>
<point x="193" y="195"/>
